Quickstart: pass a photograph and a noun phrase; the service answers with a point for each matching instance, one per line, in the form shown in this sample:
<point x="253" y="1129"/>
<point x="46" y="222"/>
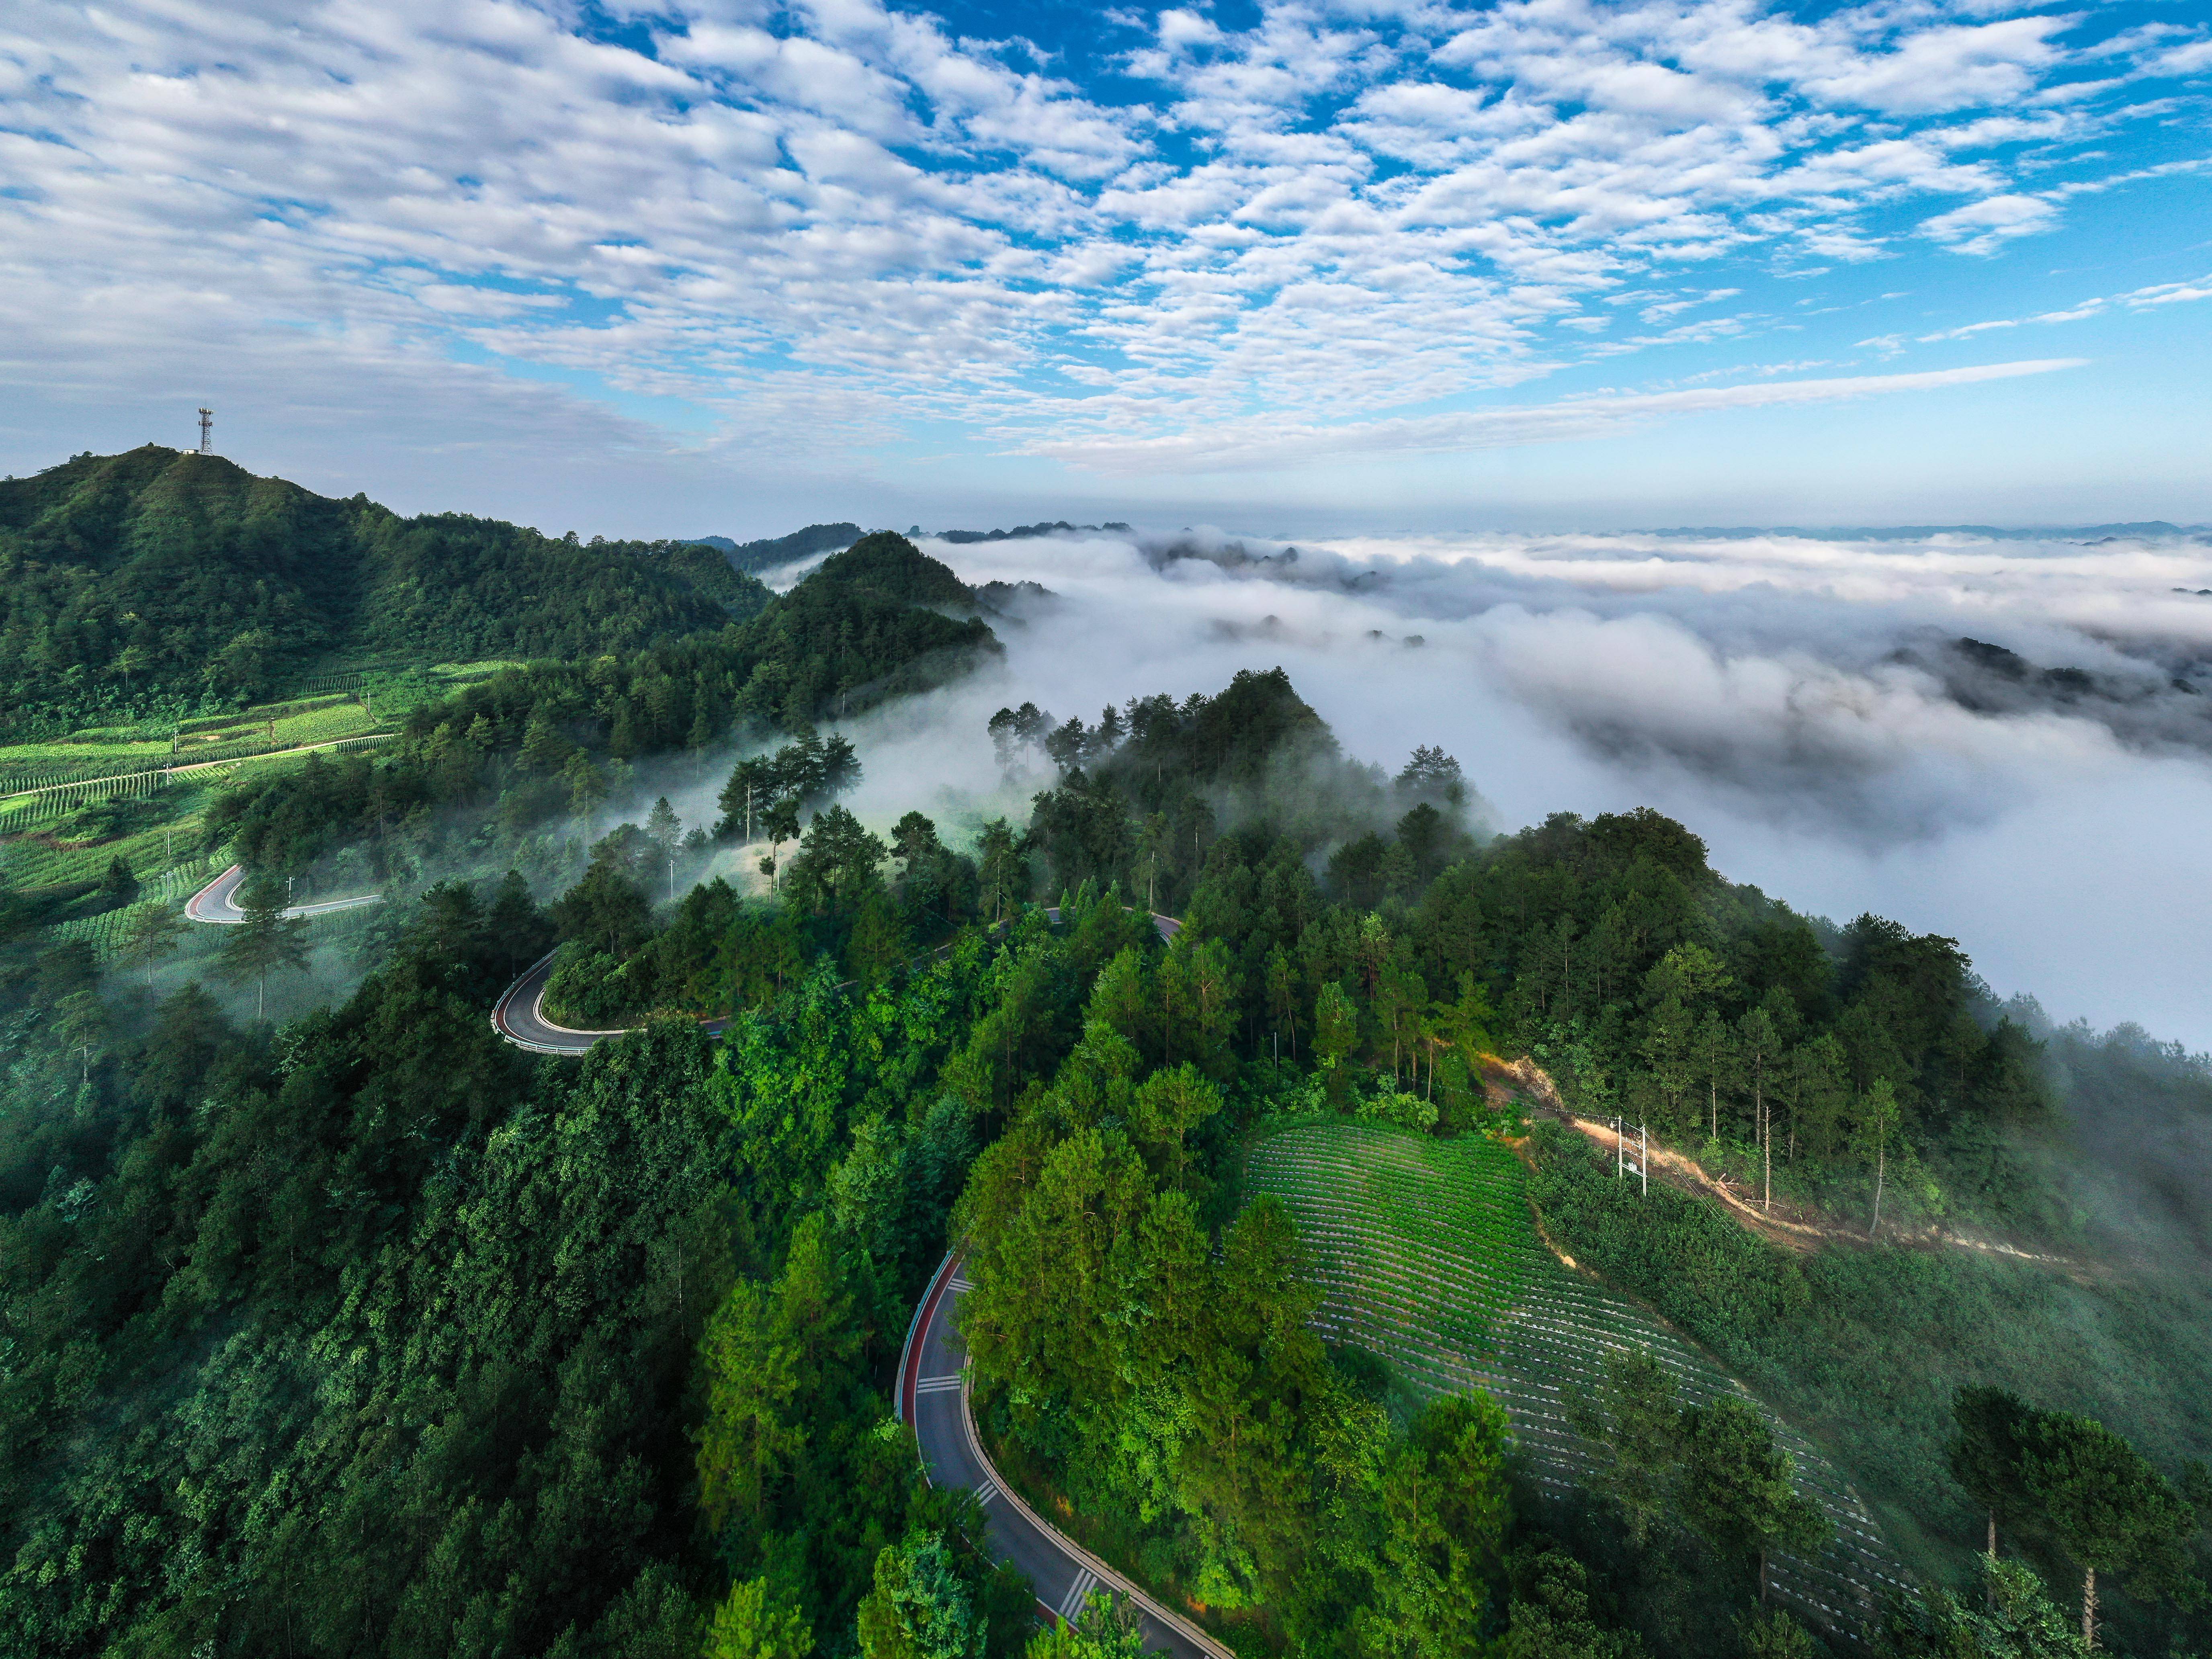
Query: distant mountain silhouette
<point x="751" y="556"/>
<point x="960" y="537"/>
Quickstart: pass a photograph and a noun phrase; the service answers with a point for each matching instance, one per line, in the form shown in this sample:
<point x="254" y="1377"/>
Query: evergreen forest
<point x="351" y="1329"/>
<point x="160" y="582"/>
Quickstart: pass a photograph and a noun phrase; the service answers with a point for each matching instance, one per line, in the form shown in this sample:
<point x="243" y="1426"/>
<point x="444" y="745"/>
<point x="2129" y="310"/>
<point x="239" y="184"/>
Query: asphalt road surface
<point x="933" y="1395"/>
<point x="217" y="901"/>
<point x="520" y="1016"/>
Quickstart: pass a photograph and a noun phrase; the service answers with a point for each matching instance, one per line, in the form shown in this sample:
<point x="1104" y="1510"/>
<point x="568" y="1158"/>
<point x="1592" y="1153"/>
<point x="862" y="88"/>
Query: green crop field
<point x="126" y="755"/>
<point x="1427" y="1254"/>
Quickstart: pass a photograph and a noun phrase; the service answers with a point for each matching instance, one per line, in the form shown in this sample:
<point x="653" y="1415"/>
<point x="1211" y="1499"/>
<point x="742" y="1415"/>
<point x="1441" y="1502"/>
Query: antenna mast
<point x="207" y="432"/>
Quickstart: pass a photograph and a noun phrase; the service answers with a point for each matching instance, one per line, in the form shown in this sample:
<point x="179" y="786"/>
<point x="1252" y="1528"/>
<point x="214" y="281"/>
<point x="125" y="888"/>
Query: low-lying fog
<point x="1806" y="705"/>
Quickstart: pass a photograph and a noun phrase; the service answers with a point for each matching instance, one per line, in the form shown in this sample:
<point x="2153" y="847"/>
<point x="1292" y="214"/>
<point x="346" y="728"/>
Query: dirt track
<point x="1794" y="1227"/>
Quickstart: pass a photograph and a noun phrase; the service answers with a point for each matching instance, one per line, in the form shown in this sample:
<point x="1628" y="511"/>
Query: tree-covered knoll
<point x="158" y="577"/>
<point x="1143" y="791"/>
<point x="1609" y="950"/>
<point x="1859" y="1078"/>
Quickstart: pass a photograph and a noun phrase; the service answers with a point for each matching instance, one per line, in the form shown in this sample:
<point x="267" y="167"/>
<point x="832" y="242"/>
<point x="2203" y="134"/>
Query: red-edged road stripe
<point x="911" y="1372"/>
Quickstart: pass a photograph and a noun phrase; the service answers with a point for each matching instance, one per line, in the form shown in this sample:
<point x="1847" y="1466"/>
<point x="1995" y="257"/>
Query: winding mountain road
<point x="933" y="1396"/>
<point x="217" y="901"/>
<point x="932" y="1386"/>
<point x="520" y="1015"/>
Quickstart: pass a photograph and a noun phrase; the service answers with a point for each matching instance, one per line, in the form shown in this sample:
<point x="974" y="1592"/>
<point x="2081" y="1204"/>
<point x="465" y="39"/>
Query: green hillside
<point x="531" y="746"/>
<point x="1426" y="1255"/>
<point x="158" y="580"/>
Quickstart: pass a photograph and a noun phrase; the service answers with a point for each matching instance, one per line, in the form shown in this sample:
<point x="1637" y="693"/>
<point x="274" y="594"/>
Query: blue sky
<point x="1293" y="268"/>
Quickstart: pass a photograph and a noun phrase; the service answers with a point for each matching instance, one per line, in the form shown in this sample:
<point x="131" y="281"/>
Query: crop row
<point x="1420" y="1241"/>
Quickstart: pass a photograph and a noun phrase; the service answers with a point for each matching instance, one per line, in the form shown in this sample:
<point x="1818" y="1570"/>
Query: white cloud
<point x="1324" y="213"/>
<point x="1269" y="446"/>
<point x="2195" y="58"/>
<point x="1945" y="68"/>
<point x="1985" y="226"/>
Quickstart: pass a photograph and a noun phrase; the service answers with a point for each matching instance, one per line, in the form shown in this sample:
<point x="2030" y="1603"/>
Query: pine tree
<point x="150" y="934"/>
<point x="2110" y="1511"/>
<point x="1736" y="1489"/>
<point x="266" y="942"/>
<point x="543" y="749"/>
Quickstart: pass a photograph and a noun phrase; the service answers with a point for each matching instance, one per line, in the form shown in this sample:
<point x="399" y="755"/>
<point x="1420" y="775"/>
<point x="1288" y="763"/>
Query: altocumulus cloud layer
<point x="1159" y="242"/>
<point x="2005" y="741"/>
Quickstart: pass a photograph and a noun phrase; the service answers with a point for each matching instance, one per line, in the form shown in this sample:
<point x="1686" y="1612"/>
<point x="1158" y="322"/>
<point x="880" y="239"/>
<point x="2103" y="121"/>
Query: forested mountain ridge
<point x="879" y="620"/>
<point x="366" y="1336"/>
<point x="159" y="575"/>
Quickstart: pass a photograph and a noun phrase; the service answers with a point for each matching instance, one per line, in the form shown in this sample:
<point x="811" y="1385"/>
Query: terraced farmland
<point x="1427" y="1254"/>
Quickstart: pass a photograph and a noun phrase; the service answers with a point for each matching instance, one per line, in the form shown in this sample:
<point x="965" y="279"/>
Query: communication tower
<point x="207" y="432"/>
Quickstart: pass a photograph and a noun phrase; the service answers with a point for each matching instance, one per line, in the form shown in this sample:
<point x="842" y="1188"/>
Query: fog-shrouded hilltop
<point x="770" y="552"/>
<point x="2007" y="741"/>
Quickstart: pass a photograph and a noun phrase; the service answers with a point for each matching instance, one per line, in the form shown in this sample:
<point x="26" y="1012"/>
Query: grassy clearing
<point x="304" y="720"/>
<point x="1426" y="1253"/>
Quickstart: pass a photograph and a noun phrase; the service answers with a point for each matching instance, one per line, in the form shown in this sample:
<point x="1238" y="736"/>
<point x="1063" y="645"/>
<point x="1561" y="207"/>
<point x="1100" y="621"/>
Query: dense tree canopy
<point x="124" y="578"/>
<point x="535" y="743"/>
<point x="366" y="1334"/>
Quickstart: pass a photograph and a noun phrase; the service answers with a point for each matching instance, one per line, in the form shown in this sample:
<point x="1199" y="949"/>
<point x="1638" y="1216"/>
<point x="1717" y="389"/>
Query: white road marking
<point x="937" y="1384"/>
<point x="1072" y="1603"/>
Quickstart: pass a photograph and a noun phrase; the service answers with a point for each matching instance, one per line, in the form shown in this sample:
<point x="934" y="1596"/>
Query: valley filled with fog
<point x="2006" y="739"/>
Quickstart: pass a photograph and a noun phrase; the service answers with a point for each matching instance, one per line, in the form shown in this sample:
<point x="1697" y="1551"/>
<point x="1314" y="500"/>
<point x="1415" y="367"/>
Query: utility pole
<point x="207" y="432"/>
<point x="1642" y="1167"/>
<point x="1767" y="1153"/>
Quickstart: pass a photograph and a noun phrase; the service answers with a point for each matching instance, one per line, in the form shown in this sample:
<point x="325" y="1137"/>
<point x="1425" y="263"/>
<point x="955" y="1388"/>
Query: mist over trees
<point x="550" y="741"/>
<point x="594" y="1358"/>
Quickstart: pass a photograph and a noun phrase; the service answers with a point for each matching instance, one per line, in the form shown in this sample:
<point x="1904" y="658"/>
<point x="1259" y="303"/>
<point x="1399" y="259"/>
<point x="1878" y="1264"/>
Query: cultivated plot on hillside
<point x="1427" y="1254"/>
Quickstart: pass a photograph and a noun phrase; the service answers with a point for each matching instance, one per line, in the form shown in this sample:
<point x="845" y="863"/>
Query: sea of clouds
<point x="1804" y="703"/>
